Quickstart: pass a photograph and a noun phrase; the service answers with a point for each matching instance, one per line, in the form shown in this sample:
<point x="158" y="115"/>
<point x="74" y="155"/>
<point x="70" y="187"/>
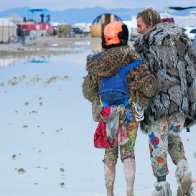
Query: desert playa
<point x="46" y="133"/>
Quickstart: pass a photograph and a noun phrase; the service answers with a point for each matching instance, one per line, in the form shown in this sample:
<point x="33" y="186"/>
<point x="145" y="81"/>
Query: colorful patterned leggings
<point x="127" y="150"/>
<point x="164" y="136"/>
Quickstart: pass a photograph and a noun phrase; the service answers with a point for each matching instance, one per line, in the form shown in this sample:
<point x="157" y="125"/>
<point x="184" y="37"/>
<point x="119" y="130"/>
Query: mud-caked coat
<point x="172" y="60"/>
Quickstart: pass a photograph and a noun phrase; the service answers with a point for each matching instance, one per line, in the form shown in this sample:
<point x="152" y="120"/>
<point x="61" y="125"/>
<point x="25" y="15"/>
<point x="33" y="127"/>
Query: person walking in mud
<point x="122" y="109"/>
<point x="171" y="59"/>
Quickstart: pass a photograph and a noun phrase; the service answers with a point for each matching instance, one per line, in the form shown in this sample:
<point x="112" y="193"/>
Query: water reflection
<point x="39" y="59"/>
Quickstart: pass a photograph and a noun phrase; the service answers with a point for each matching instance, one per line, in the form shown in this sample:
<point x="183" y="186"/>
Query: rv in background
<point x="7" y="31"/>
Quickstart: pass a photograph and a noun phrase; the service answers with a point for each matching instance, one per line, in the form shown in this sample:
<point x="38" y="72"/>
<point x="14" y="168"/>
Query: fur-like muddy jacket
<point x="172" y="60"/>
<point x="107" y="64"/>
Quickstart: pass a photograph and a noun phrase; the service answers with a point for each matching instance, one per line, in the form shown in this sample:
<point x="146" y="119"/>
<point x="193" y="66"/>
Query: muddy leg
<point x="129" y="171"/>
<point x="109" y="172"/>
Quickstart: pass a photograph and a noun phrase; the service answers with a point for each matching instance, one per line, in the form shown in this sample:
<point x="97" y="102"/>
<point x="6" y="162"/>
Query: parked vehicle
<point x="190" y="31"/>
<point x="77" y="30"/>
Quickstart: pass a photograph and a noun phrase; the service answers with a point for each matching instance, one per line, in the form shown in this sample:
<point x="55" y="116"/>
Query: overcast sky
<point x="64" y="4"/>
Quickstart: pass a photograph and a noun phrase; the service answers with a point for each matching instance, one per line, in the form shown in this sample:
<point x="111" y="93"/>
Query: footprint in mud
<point x="21" y="171"/>
<point x="62" y="184"/>
<point x="62" y="171"/>
<point x="55" y="78"/>
<point x="15" y="80"/>
<point x="14" y="157"/>
<point x="33" y="112"/>
<point x="59" y="130"/>
<point x="25" y="126"/>
<point x="51" y="79"/>
<point x="35" y="79"/>
<point x="26" y="103"/>
<point x="12" y="83"/>
<point x="65" y="77"/>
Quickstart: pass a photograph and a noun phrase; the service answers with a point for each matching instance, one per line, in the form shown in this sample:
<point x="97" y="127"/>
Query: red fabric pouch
<point x="100" y="135"/>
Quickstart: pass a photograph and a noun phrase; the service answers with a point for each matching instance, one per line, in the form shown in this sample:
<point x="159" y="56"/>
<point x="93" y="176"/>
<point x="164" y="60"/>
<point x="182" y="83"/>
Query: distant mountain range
<point x="85" y="15"/>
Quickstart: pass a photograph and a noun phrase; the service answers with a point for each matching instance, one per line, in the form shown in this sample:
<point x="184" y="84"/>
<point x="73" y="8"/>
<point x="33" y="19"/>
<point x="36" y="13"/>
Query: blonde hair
<point x="149" y="16"/>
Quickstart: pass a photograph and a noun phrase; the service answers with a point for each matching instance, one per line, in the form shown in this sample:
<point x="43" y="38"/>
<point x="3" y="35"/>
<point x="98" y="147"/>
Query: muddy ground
<point x="44" y="46"/>
<point x="46" y="145"/>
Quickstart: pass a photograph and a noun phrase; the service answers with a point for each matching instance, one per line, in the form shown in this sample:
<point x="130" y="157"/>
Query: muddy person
<point x="171" y="59"/>
<point x="121" y="131"/>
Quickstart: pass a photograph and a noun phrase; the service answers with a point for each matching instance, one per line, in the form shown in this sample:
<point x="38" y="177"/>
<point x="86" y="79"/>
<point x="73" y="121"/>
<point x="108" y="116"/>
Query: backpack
<point x="114" y="90"/>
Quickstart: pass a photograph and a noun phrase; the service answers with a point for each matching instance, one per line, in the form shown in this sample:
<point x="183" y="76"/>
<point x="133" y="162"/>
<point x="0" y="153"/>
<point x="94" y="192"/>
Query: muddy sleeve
<point x="140" y="79"/>
<point x="89" y="88"/>
<point x="89" y="60"/>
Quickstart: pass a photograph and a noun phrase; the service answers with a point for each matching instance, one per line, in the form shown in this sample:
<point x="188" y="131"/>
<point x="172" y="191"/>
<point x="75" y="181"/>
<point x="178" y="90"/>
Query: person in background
<point x="117" y="54"/>
<point x="169" y="54"/>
